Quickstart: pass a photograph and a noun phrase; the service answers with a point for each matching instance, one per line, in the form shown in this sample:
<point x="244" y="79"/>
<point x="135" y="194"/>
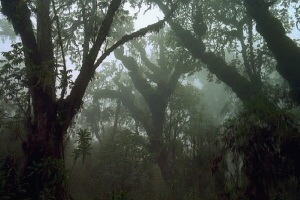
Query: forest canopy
<point x="201" y="104"/>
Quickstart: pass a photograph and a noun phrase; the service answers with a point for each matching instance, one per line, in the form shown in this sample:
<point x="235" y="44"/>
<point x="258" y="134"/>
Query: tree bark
<point x="156" y="99"/>
<point x="156" y="146"/>
<point x="285" y="50"/>
<point x="251" y="94"/>
<point x="51" y="117"/>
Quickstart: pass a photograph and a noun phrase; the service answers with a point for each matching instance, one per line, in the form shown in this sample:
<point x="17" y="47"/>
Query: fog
<point x="151" y="100"/>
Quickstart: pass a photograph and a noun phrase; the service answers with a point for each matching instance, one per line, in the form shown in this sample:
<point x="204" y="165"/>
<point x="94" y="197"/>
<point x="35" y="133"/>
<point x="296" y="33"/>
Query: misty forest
<point x="150" y="100"/>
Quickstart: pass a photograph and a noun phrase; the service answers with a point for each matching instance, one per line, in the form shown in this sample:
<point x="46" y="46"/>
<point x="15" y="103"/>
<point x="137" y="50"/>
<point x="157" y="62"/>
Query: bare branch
<point x="143" y="31"/>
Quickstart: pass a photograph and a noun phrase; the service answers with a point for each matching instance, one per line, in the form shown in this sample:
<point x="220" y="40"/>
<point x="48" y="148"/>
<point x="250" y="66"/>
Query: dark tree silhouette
<point x="52" y="115"/>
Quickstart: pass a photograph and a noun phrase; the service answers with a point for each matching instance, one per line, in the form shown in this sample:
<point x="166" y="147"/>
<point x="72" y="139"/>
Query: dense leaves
<point x="265" y="148"/>
<point x="83" y="144"/>
<point x="144" y="123"/>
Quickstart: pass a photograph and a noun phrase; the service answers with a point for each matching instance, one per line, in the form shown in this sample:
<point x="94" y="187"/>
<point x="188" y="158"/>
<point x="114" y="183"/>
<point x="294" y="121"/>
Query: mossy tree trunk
<point x="156" y="98"/>
<point x="285" y="50"/>
<point x="249" y="91"/>
<point x="51" y="115"/>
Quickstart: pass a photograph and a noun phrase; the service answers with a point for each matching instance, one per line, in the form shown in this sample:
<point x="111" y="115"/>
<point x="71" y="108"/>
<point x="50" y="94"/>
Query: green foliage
<point x="51" y="170"/>
<point x="267" y="140"/>
<point x="121" y="196"/>
<point x="120" y="168"/>
<point x="10" y="183"/>
<point x="268" y="147"/>
<point x="13" y="92"/>
<point x="79" y="26"/>
<point x="16" y="55"/>
<point x="54" y="173"/>
<point x="12" y="74"/>
<point x="83" y="144"/>
<point x="65" y="78"/>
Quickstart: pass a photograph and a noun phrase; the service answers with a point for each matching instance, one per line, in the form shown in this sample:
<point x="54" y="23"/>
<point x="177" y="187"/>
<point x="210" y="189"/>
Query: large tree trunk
<point x="43" y="148"/>
<point x="156" y="99"/>
<point x="50" y="119"/>
<point x="43" y="172"/>
<point x="250" y="93"/>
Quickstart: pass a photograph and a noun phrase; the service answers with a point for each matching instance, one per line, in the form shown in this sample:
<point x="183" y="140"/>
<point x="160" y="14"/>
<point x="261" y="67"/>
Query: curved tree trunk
<point x="250" y="93"/>
<point x="285" y="50"/>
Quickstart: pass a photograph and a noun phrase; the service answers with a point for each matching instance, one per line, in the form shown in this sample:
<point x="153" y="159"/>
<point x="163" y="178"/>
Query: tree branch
<point x="60" y="42"/>
<point x="143" y="31"/>
<point x="151" y="66"/>
<point x="128" y="101"/>
<point x="140" y="83"/>
<point x="285" y="50"/>
<point x="216" y="65"/>
<point x="18" y="14"/>
<point x="73" y="102"/>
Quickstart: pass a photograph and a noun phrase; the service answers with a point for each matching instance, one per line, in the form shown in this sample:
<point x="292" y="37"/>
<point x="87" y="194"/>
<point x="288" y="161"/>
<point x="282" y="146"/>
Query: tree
<point x="250" y="88"/>
<point x="285" y="50"/>
<point x="45" y="63"/>
<point x="89" y="31"/>
<point x="155" y="82"/>
<point x="182" y="110"/>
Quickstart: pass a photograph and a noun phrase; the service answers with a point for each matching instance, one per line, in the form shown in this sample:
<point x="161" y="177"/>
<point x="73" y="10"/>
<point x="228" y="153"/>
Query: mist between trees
<point x="202" y="104"/>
